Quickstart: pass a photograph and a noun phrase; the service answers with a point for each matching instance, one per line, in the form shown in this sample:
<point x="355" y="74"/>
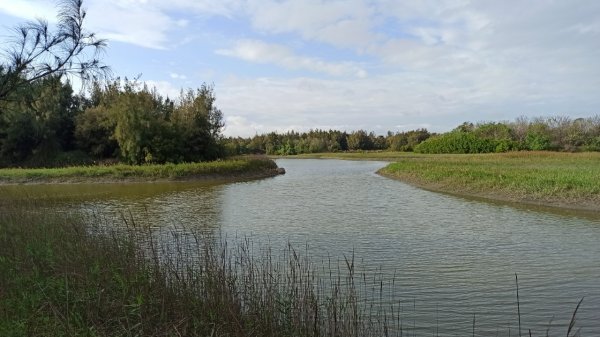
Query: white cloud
<point x="241" y="126"/>
<point x="409" y="127"/>
<point x="177" y="76"/>
<point x="127" y="21"/>
<point x="28" y="10"/>
<point x="308" y="103"/>
<point x="339" y="23"/>
<point x="262" y="52"/>
<point x="136" y="22"/>
<point x="165" y="88"/>
<point x="226" y="8"/>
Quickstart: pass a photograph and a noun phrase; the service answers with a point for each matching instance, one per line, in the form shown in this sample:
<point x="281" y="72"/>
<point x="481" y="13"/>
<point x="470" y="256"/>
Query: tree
<point x="200" y="123"/>
<point x="465" y="127"/>
<point x="20" y="138"/>
<point x="359" y="140"/>
<point x="135" y="113"/>
<point x="94" y="132"/>
<point x="41" y="116"/>
<point x="37" y="51"/>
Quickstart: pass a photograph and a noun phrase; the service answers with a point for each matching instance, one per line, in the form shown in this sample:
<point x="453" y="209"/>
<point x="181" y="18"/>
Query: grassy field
<point x="243" y="167"/>
<point x="570" y="180"/>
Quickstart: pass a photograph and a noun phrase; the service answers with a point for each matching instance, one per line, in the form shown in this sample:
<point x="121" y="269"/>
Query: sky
<point x="377" y="65"/>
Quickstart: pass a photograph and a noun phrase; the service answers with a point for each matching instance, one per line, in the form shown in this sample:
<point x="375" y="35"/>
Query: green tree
<point x="200" y="123"/>
<point x="51" y="107"/>
<point x="538" y="136"/>
<point x="56" y="108"/>
<point x="359" y="140"/>
<point x="94" y="132"/>
<point x="135" y="112"/>
<point x="20" y="138"/>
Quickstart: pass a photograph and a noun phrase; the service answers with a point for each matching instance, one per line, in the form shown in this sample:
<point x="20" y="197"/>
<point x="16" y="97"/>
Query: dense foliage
<point x="318" y="141"/>
<point x="45" y="124"/>
<point x="537" y="134"/>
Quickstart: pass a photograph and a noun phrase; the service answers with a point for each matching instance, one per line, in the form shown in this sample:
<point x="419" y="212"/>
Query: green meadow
<point x="570" y="180"/>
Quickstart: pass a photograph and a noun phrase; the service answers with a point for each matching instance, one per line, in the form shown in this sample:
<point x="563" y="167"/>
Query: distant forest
<point x="537" y="134"/>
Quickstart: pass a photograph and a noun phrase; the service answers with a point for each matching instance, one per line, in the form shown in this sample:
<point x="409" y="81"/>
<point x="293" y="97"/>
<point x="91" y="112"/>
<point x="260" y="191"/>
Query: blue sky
<point x="377" y="65"/>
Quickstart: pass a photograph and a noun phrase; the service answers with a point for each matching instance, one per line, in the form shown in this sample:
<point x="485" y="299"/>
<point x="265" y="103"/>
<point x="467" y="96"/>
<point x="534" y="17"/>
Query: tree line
<point x="46" y="124"/>
<point x="316" y="141"/>
<point x="557" y="133"/>
<point x="43" y="122"/>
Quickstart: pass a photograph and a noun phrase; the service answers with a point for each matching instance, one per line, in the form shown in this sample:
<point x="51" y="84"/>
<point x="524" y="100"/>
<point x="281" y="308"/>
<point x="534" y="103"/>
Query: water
<point x="452" y="257"/>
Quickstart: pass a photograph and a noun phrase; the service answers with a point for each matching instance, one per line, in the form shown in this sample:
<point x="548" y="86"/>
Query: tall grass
<point x="225" y="168"/>
<point x="61" y="277"/>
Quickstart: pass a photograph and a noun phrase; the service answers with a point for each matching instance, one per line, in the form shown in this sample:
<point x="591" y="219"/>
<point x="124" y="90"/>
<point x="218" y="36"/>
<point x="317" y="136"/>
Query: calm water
<point x="451" y="257"/>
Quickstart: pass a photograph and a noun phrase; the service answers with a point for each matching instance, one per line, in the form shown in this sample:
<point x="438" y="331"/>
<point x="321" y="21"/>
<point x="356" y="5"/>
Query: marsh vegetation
<point x="61" y="276"/>
<point x="232" y="169"/>
<point x="559" y="179"/>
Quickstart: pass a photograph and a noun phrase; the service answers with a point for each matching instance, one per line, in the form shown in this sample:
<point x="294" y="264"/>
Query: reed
<point x="63" y="275"/>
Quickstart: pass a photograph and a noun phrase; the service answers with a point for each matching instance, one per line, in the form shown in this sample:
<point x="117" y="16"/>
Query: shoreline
<point x="219" y="172"/>
<point x="516" y="198"/>
<point x="589" y="207"/>
<point x="216" y="178"/>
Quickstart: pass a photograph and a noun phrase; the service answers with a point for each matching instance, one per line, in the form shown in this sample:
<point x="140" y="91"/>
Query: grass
<point x="247" y="166"/>
<point x="570" y="180"/>
<point x="62" y="277"/>
<point x="59" y="277"/>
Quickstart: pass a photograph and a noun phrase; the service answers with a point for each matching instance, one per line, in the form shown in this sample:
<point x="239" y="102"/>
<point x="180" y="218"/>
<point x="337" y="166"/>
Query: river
<point x="452" y="257"/>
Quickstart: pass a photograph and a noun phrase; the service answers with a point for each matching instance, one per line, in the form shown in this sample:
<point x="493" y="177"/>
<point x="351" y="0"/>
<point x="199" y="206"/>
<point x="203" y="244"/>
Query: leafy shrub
<point x="593" y="145"/>
<point x="457" y="142"/>
<point x="537" y="141"/>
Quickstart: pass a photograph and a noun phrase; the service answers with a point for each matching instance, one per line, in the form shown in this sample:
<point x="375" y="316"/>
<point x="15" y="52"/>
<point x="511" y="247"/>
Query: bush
<point x="457" y="142"/>
<point x="537" y="141"/>
<point x="593" y="145"/>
